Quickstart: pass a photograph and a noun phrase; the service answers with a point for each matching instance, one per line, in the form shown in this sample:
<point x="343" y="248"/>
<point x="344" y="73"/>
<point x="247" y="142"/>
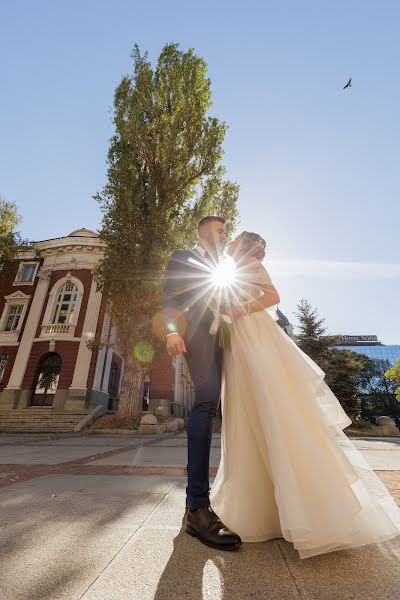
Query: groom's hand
<point x="175" y="344"/>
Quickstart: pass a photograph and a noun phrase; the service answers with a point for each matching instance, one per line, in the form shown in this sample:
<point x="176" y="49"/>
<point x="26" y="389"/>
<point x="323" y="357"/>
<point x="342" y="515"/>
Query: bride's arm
<point x="270" y="295"/>
<point x="262" y="281"/>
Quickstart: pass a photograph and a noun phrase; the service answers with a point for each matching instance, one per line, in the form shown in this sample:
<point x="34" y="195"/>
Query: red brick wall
<point x="68" y="352"/>
<point x="7" y="276"/>
<point x="162" y="379"/>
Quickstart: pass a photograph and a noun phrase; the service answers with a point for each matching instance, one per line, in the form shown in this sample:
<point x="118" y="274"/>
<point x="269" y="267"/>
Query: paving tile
<point x="45" y="455"/>
<point x="155" y="456"/>
<point x="364" y="573"/>
<point x="59" y="551"/>
<point x="167" y="564"/>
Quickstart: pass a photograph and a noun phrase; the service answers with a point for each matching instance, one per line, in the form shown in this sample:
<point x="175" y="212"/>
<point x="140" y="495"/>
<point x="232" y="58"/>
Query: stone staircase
<point x="39" y="420"/>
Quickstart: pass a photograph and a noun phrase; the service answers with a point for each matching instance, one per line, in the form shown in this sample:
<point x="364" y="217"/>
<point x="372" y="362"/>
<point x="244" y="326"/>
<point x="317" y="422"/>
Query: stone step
<point x="43" y="412"/>
<point x="39" y="420"/>
<point x="44" y="427"/>
<point x="39" y="430"/>
<point x="36" y="417"/>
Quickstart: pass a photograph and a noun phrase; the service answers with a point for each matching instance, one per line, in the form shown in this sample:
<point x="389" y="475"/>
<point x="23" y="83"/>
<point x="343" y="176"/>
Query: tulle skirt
<point x="287" y="468"/>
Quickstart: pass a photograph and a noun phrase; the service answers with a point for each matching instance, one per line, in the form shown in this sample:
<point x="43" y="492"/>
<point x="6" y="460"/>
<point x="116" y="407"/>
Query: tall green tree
<point x="10" y="240"/>
<point x="341" y="366"/>
<point x="164" y="175"/>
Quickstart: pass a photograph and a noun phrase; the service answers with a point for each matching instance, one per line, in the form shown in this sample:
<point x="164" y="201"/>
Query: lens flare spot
<point x="143" y="352"/>
<point x="168" y="321"/>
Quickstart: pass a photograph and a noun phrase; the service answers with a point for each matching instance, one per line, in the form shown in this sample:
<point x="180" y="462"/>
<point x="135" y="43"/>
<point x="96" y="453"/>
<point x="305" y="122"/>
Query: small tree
<point x="164" y="175"/>
<point x="311" y="329"/>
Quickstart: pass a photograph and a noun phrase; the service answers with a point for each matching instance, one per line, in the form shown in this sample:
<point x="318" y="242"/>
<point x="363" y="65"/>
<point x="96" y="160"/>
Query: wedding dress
<point x="287" y="468"/>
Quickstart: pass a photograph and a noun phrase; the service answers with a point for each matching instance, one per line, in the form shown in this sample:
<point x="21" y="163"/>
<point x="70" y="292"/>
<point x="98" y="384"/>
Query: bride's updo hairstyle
<point x="252" y="244"/>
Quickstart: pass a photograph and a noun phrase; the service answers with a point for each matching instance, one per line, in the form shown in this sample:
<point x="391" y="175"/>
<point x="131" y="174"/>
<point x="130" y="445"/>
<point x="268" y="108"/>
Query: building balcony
<point x="62" y="329"/>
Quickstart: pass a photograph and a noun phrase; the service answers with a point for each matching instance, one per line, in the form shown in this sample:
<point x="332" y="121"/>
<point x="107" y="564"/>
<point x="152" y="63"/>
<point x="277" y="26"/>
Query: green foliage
<point x="311" y="328"/>
<point x="393" y="374"/>
<point x="343" y="369"/>
<point x="94" y="344"/>
<point x="10" y="240"/>
<point x="164" y="175"/>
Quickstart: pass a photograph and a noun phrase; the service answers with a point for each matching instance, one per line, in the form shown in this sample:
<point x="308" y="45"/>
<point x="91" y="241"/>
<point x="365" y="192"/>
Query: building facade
<point x="49" y="309"/>
<point x="371" y="346"/>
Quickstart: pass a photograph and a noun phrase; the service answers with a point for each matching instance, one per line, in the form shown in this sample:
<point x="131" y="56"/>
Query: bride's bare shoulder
<point x="258" y="271"/>
<point x="255" y="264"/>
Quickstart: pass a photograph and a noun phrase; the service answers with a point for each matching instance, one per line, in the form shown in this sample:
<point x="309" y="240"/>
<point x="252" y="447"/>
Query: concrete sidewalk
<point x="79" y="529"/>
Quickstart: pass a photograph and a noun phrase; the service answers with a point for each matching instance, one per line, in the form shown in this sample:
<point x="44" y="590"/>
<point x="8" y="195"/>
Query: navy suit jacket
<point x="185" y="294"/>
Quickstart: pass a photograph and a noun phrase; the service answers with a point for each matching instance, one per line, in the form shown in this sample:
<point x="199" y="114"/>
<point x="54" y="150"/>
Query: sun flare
<point x="223" y="275"/>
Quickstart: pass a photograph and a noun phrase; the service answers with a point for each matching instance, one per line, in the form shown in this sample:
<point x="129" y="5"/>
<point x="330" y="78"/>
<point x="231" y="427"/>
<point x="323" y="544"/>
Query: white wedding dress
<point x="287" y="468"/>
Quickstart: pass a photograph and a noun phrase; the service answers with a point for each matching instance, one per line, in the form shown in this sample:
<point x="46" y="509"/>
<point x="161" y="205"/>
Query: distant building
<point x="371" y="346"/>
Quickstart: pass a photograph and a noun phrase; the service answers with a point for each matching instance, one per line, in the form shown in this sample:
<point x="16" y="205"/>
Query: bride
<point x="287" y="468"/>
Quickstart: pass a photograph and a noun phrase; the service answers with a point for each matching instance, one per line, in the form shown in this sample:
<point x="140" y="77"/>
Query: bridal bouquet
<point x="220" y="325"/>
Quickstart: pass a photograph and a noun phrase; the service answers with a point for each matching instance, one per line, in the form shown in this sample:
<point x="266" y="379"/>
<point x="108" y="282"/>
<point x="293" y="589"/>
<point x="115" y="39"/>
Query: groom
<point x="187" y="320"/>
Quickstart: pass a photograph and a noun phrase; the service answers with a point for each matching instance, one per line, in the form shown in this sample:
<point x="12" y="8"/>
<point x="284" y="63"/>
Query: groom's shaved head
<point x="205" y="222"/>
<point x="212" y="233"/>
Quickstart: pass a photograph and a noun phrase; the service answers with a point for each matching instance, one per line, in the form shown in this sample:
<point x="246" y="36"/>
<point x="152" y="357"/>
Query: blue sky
<point x="318" y="168"/>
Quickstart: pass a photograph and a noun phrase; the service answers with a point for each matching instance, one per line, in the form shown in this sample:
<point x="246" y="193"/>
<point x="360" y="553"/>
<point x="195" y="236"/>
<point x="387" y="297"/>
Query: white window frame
<point x="22" y="265"/>
<point x="11" y="300"/>
<point x="3" y="364"/>
<point x="69" y="303"/>
<point x="66" y="330"/>
<point x="16" y="316"/>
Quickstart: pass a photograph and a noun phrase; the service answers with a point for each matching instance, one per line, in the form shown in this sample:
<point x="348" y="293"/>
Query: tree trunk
<point x="130" y="401"/>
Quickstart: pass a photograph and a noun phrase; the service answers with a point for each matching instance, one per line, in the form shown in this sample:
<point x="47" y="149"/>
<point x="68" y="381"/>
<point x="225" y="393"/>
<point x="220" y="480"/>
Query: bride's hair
<point x="253" y="244"/>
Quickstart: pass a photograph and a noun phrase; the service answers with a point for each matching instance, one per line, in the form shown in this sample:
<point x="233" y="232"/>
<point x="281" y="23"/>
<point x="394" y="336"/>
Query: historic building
<point x="49" y="308"/>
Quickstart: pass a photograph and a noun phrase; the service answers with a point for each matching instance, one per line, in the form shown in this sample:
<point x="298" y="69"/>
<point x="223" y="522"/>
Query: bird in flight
<point x="348" y="84"/>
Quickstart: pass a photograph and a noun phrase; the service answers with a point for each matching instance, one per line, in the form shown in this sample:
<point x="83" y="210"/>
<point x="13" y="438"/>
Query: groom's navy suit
<point x="185" y="311"/>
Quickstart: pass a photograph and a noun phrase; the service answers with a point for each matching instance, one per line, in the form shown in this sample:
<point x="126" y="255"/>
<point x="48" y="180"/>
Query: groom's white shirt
<point x="200" y="249"/>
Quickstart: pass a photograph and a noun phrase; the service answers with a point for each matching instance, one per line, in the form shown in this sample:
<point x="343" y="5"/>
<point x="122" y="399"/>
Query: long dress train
<point x="287" y="468"/>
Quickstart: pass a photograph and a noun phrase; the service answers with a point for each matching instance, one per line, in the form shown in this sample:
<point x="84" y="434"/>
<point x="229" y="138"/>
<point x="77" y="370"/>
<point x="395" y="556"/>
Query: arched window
<point x="46" y="381"/>
<point x="65" y="306"/>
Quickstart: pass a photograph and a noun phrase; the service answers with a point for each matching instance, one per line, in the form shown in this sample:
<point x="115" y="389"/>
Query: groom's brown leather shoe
<point x="204" y="524"/>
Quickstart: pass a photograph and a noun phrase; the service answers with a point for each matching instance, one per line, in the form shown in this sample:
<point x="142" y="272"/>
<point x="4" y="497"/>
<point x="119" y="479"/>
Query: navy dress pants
<point x="204" y="360"/>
